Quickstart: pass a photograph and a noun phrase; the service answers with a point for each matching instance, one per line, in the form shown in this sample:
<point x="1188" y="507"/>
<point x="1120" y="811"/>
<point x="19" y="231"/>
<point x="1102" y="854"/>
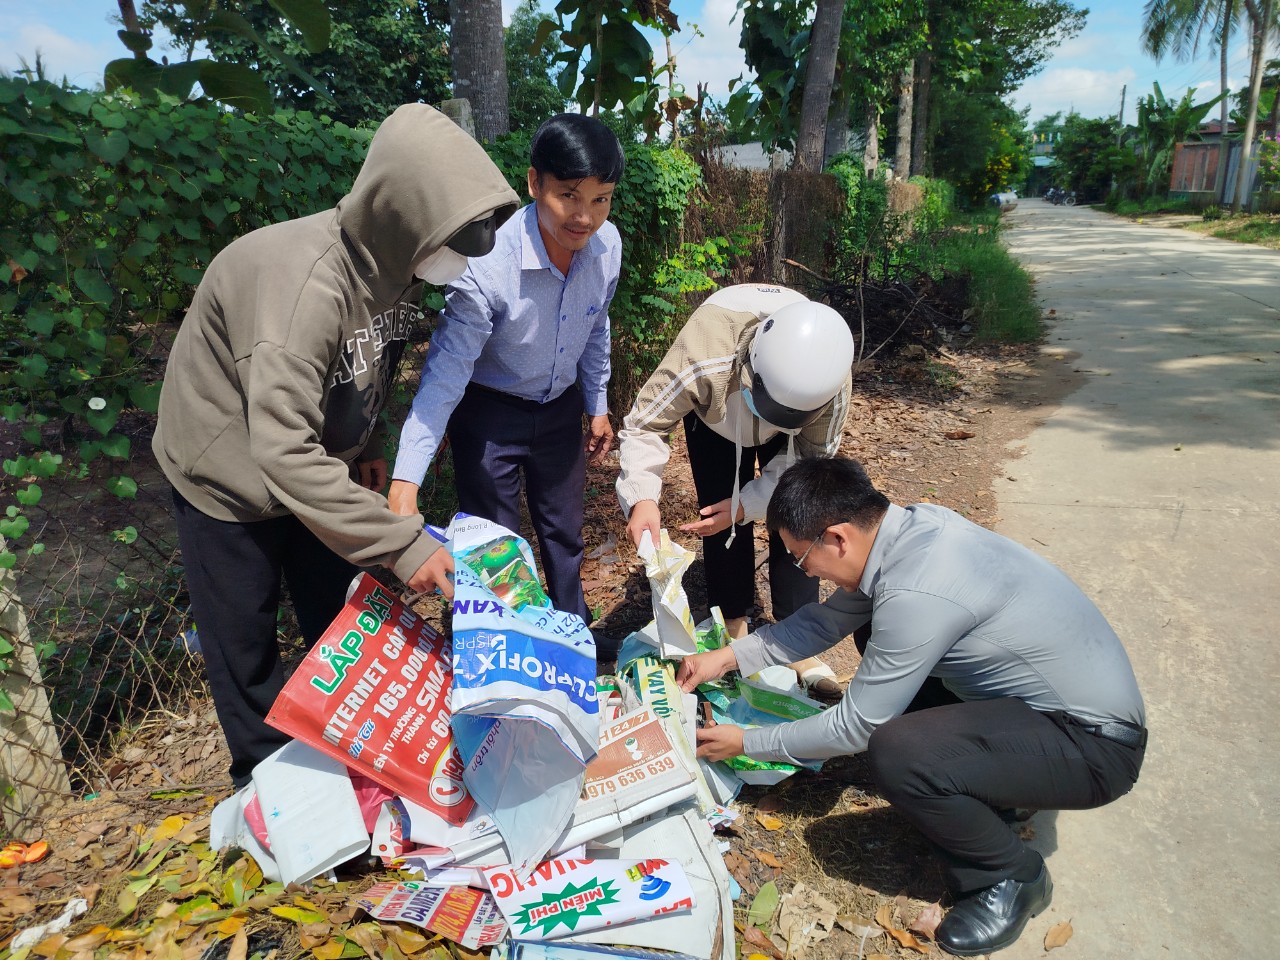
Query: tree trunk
<point x="824" y="44"/>
<point x="871" y="154"/>
<point x="480" y="64"/>
<point x="920" y="116"/>
<point x="837" y="139"/>
<point x="1261" y="27"/>
<point x="129" y="17"/>
<point x="906" y="97"/>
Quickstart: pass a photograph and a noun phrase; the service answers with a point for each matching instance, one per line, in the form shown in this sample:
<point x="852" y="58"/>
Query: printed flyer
<point x="374" y="694"/>
<point x="563" y="897"/>
<point x="461" y="914"/>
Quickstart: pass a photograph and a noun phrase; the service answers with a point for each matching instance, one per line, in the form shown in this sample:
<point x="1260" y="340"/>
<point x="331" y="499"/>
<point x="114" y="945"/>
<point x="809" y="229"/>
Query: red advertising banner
<point x="374" y="694"/>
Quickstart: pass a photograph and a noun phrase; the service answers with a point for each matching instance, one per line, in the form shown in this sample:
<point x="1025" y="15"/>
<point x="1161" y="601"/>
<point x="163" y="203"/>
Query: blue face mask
<point x="751" y="405"/>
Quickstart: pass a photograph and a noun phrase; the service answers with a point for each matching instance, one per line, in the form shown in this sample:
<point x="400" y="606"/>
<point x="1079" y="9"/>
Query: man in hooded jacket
<point x="269" y="409"/>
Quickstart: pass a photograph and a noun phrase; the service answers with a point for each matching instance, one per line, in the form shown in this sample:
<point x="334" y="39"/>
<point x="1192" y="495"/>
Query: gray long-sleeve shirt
<point x="950" y="599"/>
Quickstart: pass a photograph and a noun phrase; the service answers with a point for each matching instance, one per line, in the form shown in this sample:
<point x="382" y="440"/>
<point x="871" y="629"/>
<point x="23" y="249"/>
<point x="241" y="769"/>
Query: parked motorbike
<point x="1062" y="197"/>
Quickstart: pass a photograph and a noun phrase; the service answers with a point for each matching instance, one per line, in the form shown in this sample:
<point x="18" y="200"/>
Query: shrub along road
<point x="1154" y="486"/>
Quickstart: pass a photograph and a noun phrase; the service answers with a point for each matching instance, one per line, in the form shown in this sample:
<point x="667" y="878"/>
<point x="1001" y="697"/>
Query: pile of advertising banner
<point x="531" y="807"/>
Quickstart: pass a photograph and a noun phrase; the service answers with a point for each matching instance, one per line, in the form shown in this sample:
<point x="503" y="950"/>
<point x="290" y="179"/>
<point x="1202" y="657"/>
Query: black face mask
<point x="476" y="238"/>
<point x="779" y="414"/>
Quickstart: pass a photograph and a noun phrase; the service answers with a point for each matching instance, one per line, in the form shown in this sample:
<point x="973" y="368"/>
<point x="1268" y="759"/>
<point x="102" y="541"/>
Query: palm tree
<point x="1179" y="27"/>
<point x="1262" y="22"/>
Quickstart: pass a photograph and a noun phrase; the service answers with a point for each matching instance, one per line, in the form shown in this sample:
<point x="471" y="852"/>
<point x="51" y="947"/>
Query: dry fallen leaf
<point x="768" y="821"/>
<point x="50" y="946"/>
<point x="757" y="938"/>
<point x="959" y="435"/>
<point x="927" y="921"/>
<point x="737" y="865"/>
<point x="860" y="926"/>
<point x="19" y="271"/>
<point x="908" y="940"/>
<point x="767" y="858"/>
<point x="769" y="803"/>
<point x="884" y="917"/>
<point x="806" y="917"/>
<point x="1058" y="935"/>
<point x="239" y="946"/>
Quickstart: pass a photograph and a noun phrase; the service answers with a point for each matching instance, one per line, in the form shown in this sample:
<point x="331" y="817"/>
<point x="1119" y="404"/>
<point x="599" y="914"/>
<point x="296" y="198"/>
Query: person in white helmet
<point x="759" y="375"/>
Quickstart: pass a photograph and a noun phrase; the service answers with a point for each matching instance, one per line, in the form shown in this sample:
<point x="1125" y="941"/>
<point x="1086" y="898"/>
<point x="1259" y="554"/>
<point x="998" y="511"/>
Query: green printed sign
<point x="568" y="906"/>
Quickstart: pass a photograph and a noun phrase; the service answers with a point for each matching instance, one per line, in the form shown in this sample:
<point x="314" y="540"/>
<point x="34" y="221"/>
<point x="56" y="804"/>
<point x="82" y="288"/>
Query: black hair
<point x="819" y="492"/>
<point x="571" y="146"/>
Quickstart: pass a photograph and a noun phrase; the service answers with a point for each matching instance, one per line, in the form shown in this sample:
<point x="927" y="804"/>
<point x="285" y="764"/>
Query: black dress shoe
<point x="992" y="918"/>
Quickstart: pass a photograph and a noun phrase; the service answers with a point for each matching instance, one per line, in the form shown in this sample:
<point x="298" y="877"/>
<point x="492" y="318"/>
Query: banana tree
<point x="1162" y="124"/>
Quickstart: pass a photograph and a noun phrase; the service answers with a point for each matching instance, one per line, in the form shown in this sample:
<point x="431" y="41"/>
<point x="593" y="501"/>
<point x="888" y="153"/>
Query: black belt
<point x="1119" y="731"/>
<point x="508" y="398"/>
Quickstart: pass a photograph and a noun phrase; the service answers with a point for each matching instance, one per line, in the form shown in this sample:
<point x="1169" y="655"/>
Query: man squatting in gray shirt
<point x="989" y="682"/>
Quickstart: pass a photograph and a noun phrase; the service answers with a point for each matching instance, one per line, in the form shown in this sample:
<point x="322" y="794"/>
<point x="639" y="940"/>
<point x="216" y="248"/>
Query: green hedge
<point x="111" y="210"/>
<point x="112" y="207"/>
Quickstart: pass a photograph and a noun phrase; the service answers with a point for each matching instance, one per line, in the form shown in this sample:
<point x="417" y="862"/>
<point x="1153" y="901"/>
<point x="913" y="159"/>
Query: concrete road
<point x="1156" y="486"/>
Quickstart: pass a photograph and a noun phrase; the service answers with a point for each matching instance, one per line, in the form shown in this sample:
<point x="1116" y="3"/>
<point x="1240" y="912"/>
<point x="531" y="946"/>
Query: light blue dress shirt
<point x="515" y="323"/>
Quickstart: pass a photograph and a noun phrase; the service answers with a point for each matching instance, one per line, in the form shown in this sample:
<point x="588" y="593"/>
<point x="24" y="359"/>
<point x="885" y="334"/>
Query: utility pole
<point x="1120" y="123"/>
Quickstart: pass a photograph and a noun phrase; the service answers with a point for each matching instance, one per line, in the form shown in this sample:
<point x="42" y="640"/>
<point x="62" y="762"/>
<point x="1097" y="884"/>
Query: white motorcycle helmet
<point x="800" y="358"/>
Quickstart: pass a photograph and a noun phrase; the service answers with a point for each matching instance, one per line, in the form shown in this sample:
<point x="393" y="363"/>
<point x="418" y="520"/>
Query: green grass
<point x="1147" y="205"/>
<point x="1260" y="229"/>
<point x="999" y="290"/>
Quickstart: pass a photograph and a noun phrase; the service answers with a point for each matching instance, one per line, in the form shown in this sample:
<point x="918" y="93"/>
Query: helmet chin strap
<point x="736" y="495"/>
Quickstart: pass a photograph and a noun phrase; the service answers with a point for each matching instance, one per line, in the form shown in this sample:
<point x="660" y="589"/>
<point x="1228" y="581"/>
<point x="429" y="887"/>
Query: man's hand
<point x="715" y="518"/>
<point x="703" y="667"/>
<point x="437" y="571"/>
<point x="372" y="474"/>
<point x="403" y="498"/>
<point x="645" y="515"/>
<point x="599" y="439"/>
<point x="719" y="742"/>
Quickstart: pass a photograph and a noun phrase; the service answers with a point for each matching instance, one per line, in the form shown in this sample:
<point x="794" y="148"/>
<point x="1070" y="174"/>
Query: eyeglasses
<point x="799" y="562"/>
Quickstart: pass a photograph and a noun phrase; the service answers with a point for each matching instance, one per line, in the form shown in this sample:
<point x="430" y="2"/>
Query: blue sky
<point x="77" y="37"/>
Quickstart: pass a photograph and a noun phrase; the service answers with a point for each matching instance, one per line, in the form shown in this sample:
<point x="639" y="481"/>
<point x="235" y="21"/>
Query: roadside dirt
<point x="936" y="428"/>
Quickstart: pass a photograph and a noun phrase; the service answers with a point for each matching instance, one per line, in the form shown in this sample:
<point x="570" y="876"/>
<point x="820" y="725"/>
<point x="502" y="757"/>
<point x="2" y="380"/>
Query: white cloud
<point x="1090" y="93"/>
<point x="711" y="56"/>
<point x="80" y="61"/>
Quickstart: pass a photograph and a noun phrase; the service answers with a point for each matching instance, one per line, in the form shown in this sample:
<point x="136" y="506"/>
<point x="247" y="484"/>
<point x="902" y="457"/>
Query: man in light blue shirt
<point x="521" y="352"/>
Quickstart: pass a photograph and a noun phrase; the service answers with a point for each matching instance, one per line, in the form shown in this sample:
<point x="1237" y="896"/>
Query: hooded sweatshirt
<point x="704" y="371"/>
<point x="291" y="344"/>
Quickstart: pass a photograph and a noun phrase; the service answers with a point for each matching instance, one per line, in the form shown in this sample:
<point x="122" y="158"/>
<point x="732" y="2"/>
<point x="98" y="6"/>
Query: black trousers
<point x="234" y="573"/>
<point x="501" y="443"/>
<point x="731" y="572"/>
<point x="949" y="769"/>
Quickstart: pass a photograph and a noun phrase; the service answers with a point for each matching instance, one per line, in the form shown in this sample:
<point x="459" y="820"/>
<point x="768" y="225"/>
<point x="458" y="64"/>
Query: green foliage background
<point x="113" y="206"/>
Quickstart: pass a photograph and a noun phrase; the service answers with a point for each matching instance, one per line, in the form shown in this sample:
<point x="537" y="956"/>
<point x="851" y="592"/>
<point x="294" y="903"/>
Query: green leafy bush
<point x="110" y="211"/>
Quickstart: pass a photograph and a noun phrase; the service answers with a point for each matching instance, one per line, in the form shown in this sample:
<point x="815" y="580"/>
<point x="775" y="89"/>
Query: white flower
<point x="97" y="403"/>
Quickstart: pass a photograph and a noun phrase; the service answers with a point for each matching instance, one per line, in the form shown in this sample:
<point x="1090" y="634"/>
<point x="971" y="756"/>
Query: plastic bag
<point x="374" y="695"/>
<point x="525" y="711"/>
